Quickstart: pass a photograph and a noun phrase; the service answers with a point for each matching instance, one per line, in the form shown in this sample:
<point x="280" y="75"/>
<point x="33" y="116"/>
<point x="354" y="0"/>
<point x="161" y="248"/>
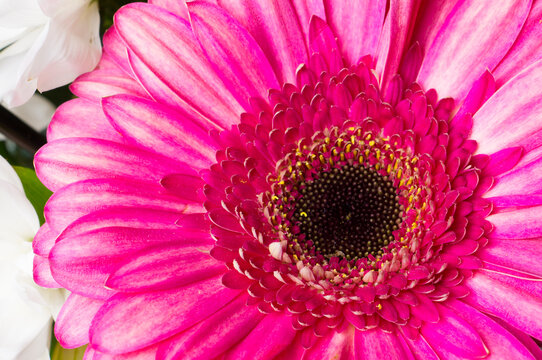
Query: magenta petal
<point x="132" y="322"/>
<point x="465" y="45"/>
<point x="66" y="122"/>
<point x="143" y="354"/>
<point x="267" y="339"/>
<point x="115" y="48"/>
<point x="524" y="223"/>
<point x="350" y="19"/>
<point x="235" y="55"/>
<point x="453" y="335"/>
<point x="525" y="50"/>
<point x="375" y="344"/>
<point x="502" y="161"/>
<point x="517" y="307"/>
<point x="525" y="178"/>
<point x="215" y="335"/>
<point x="500" y="343"/>
<point x="167" y="48"/>
<point x="85" y="197"/>
<point x="394" y="37"/>
<point x="152" y="126"/>
<point x="65" y="161"/>
<point x="275" y="27"/>
<point x="164" y="268"/>
<point x="73" y="322"/>
<point x="514" y="254"/>
<point x="481" y="90"/>
<point x="175" y="6"/>
<point x="508" y="118"/>
<point x="420" y="348"/>
<point x="305" y="9"/>
<point x="337" y="345"/>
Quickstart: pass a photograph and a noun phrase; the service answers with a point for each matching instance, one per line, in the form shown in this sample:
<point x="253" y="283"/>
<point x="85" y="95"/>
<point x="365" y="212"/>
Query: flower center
<point x="348" y="212"/>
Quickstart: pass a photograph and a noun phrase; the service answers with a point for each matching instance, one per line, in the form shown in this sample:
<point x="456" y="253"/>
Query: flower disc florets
<point x="353" y="204"/>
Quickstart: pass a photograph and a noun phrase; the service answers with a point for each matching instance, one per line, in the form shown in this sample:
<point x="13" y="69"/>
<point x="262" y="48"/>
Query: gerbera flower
<point x="301" y="179"/>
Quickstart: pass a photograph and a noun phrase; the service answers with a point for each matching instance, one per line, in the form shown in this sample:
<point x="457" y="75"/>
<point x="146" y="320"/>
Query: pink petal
<point x="42" y="273"/>
<point x="420" y="348"/>
<point x="82" y="198"/>
<point x="167" y="49"/>
<point x="149" y="125"/>
<point x="525" y="178"/>
<point x="69" y="116"/>
<point x="132" y="322"/>
<point x="453" y="335"/>
<point x="115" y="48"/>
<point x="233" y="52"/>
<point x="65" y="161"/>
<point x="526" y="48"/>
<point x="508" y="118"/>
<point x="393" y="39"/>
<point x="266" y="340"/>
<point x="105" y="82"/>
<point x="502" y="161"/>
<point x="481" y="90"/>
<point x="337" y="345"/>
<point x="305" y="9"/>
<point x="165" y="268"/>
<point x="44" y="240"/>
<point x="350" y="19"/>
<point x="73" y="322"/>
<point x="500" y="343"/>
<point x="83" y="262"/>
<point x="519" y="308"/>
<point x="143" y="354"/>
<point x="524" y="223"/>
<point x="465" y="45"/>
<point x="514" y="254"/>
<point x="187" y="187"/>
<point x="376" y="344"/>
<point x="525" y="339"/>
<point x="175" y="6"/>
<point x="215" y="335"/>
<point x="275" y="27"/>
<point x="323" y="41"/>
<point x="430" y="19"/>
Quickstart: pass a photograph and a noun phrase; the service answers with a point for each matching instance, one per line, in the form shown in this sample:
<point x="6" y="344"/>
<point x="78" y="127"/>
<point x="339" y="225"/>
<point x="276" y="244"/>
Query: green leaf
<point x="35" y="191"/>
<point x="59" y="353"/>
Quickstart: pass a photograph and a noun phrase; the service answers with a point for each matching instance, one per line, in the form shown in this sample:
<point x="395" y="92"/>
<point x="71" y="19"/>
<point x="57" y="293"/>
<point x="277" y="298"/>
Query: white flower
<point x="45" y="44"/>
<point x="25" y="309"/>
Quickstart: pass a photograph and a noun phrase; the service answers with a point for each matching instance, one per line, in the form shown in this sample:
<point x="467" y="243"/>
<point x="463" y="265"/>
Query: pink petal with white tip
<point x="65" y="161"/>
<point x="69" y="116"/>
<point x="133" y="322"/>
<point x="73" y="322"/>
<point x="465" y="45"/>
<point x="119" y="195"/>
<point x="171" y="53"/>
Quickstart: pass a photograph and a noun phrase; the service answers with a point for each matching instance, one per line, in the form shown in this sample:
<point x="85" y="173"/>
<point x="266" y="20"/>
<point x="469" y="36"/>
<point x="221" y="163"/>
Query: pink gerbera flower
<point x="302" y="179"/>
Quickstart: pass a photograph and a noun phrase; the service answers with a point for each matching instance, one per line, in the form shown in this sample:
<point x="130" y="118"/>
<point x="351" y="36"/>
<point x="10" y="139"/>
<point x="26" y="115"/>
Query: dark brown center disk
<point x="349" y="212"/>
